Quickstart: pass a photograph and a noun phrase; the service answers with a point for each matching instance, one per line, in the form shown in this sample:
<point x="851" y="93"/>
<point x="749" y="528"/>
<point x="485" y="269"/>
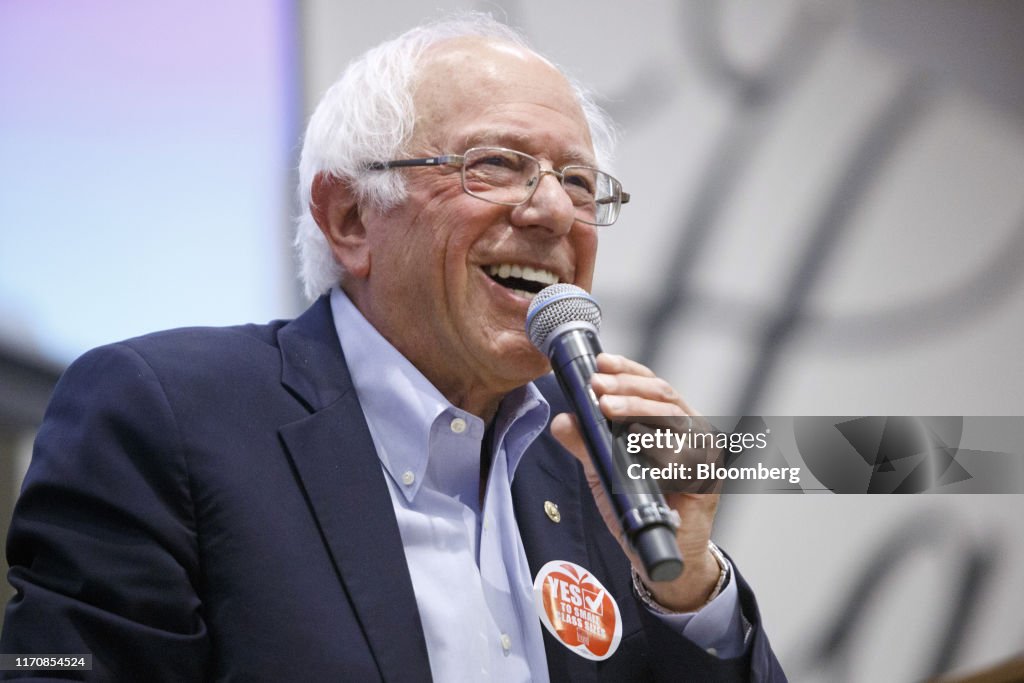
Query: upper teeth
<point x="524" y="272"/>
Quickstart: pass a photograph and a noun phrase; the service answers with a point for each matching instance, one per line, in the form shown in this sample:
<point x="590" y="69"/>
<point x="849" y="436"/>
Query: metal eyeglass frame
<point x="458" y="161"/>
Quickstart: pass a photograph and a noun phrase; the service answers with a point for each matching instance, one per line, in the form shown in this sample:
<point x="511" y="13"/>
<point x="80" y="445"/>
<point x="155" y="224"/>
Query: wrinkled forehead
<point x="466" y="79"/>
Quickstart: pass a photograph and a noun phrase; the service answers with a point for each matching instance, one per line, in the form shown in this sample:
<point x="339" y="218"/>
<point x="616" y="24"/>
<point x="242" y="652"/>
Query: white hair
<point x="368" y="115"/>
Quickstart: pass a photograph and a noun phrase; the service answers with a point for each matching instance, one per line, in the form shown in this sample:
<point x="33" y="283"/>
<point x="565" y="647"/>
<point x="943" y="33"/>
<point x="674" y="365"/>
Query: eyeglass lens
<point x="509" y="177"/>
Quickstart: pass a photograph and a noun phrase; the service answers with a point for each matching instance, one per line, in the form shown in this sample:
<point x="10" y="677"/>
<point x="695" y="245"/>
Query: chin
<point x="534" y="364"/>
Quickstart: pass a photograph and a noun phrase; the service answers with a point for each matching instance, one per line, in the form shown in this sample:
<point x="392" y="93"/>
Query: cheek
<point x="391" y="255"/>
<point x="417" y="242"/>
<point x="585" y="247"/>
<point x="467" y="232"/>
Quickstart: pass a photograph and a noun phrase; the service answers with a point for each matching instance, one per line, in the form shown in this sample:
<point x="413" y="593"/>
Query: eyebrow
<point x="522" y="142"/>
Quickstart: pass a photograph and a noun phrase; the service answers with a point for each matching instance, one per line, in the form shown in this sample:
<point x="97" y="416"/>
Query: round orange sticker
<point x="577" y="610"/>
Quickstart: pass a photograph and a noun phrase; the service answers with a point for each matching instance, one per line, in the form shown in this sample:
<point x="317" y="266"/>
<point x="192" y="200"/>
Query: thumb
<point x="566" y="429"/>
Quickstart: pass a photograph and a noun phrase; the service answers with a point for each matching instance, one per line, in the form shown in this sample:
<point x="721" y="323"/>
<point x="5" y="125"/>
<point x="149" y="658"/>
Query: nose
<point x="549" y="207"/>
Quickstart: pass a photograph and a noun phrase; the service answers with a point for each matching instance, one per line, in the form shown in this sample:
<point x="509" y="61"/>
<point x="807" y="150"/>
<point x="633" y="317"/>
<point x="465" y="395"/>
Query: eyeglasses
<point x="507" y="177"/>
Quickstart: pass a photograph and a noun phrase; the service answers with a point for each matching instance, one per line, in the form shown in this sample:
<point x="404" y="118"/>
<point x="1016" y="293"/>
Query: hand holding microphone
<point x="563" y="323"/>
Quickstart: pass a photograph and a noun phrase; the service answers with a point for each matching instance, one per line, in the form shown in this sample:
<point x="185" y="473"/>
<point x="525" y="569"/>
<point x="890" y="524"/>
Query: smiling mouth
<point x="525" y="281"/>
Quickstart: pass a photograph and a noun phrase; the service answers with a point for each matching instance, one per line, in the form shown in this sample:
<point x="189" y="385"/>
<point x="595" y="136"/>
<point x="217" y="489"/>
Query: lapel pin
<point x="552" y="511"/>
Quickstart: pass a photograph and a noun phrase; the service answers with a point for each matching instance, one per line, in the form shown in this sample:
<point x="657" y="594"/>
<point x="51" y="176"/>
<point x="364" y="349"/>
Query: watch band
<point x="647" y="598"/>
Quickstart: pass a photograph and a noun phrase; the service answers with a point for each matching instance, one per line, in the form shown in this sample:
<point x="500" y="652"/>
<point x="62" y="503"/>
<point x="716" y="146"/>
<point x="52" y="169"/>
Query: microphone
<point x="563" y="322"/>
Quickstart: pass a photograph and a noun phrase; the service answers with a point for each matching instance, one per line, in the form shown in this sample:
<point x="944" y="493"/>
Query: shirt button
<point x="506" y="642"/>
<point x="408" y="478"/>
<point x="458" y="425"/>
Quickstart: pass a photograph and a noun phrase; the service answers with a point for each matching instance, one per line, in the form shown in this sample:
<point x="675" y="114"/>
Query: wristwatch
<point x="645" y="596"/>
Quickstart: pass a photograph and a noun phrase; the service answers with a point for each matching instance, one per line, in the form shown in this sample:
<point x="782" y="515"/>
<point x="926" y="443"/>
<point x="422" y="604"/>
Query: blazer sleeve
<point x="757" y="664"/>
<point x="102" y="545"/>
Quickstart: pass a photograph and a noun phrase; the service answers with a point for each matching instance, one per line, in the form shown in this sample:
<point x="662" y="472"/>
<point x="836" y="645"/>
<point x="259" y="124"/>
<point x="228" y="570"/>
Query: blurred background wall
<point x="828" y="219"/>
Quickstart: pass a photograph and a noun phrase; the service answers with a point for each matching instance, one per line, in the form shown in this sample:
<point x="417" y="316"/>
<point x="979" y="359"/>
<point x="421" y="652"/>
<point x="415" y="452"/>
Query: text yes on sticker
<point x="577" y="610"/>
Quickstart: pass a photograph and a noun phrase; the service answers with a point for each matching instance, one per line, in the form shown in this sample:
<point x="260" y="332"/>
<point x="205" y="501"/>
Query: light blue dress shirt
<point x="473" y="586"/>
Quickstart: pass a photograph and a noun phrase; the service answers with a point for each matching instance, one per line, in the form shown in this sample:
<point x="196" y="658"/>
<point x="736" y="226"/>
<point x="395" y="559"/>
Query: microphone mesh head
<point x="557" y="305"/>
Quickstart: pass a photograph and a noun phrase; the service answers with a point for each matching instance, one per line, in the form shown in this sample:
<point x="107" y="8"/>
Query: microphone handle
<point x="646" y="519"/>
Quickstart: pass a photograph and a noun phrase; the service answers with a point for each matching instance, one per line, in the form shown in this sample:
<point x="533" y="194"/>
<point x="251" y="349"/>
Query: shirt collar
<point x="402" y="407"/>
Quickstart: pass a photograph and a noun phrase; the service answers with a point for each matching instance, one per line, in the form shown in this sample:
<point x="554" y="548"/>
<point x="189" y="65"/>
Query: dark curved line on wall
<point x="950" y="308"/>
<point x="979" y="293"/>
<point x="799" y="41"/>
<point x="976" y="572"/>
<point x="832" y="653"/>
<point x="886" y="134"/>
<point x="755" y="94"/>
<point x="675" y="292"/>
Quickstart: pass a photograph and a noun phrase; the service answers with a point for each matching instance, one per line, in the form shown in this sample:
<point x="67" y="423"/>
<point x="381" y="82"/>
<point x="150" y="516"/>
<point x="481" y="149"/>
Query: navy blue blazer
<point x="207" y="504"/>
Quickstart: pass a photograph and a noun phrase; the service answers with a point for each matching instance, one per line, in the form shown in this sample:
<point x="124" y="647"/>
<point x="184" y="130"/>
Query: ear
<point x="335" y="210"/>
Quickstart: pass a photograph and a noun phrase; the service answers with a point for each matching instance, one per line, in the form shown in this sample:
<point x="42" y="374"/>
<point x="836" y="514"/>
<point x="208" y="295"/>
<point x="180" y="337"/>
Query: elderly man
<point x="369" y="491"/>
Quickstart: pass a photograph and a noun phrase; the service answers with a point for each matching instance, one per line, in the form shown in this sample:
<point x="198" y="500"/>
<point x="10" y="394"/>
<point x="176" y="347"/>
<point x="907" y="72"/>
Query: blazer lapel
<point x="338" y="467"/>
<point x="545" y="474"/>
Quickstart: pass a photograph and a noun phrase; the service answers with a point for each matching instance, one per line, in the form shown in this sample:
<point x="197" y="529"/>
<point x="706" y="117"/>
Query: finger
<point x="566" y="430"/>
<point x="653" y="388"/>
<point x="618" y="407"/>
<point x="614" y="363"/>
<point x="696" y="511"/>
